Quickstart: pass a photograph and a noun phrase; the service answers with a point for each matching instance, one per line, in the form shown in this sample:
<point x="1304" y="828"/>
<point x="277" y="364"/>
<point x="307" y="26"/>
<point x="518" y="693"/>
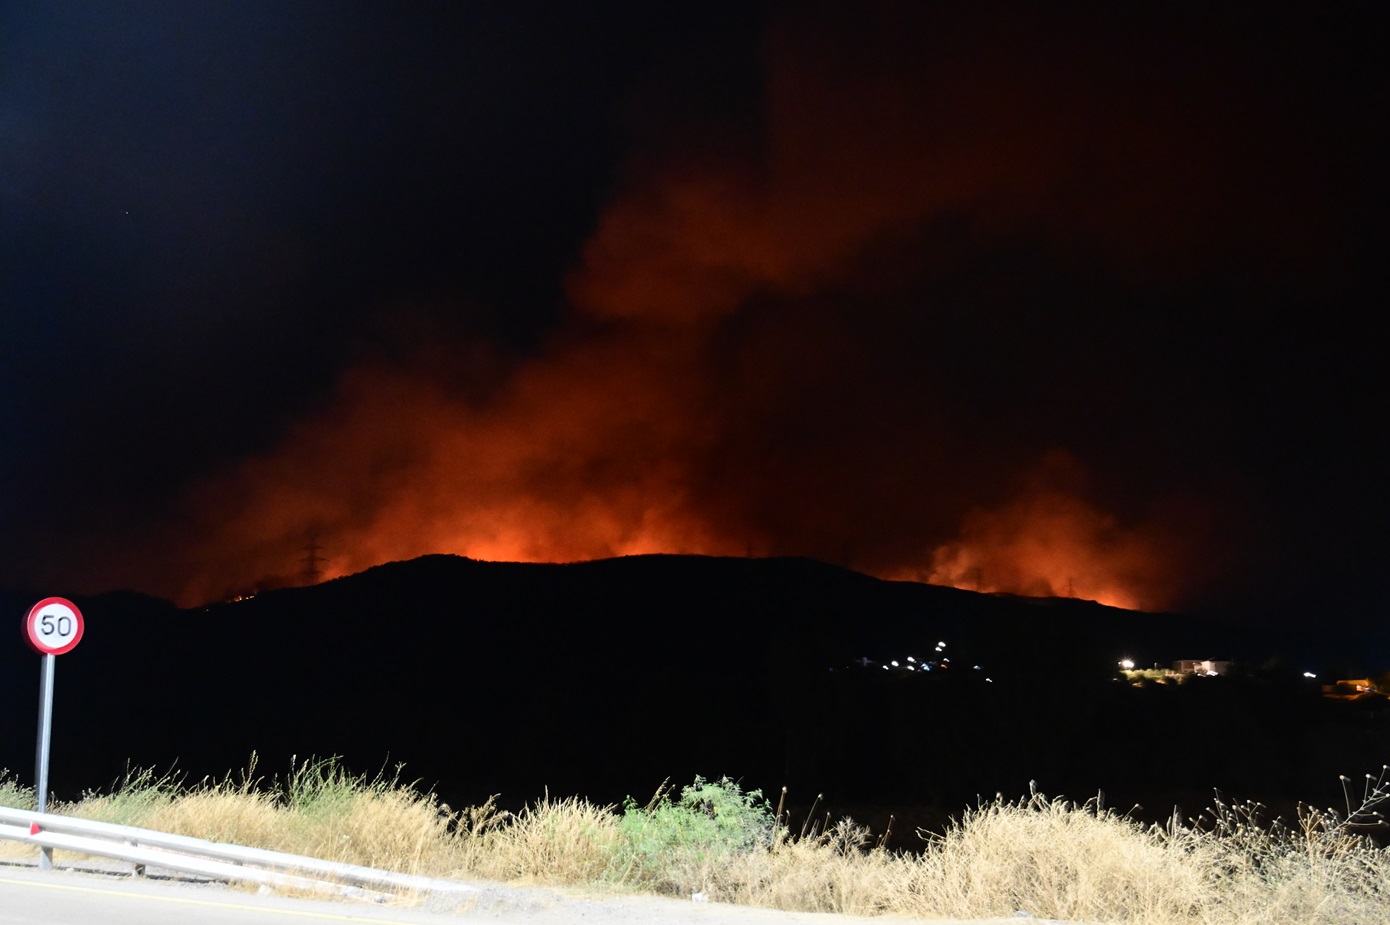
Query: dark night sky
<point x="1029" y="301"/>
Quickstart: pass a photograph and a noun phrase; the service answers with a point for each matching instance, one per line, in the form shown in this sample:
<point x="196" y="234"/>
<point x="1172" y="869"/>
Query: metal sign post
<point x="47" y="664"/>
<point x="53" y="626"/>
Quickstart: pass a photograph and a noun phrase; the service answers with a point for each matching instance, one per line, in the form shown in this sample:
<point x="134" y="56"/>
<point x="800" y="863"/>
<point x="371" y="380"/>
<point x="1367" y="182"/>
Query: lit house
<point x="1206" y="668"/>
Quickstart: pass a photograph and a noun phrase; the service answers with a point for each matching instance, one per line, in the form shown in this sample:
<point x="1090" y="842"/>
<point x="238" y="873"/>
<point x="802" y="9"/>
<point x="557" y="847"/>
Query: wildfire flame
<point x="739" y="371"/>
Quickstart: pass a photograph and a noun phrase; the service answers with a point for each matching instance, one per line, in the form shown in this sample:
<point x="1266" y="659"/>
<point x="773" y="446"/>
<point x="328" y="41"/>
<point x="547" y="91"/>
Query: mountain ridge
<point x="604" y="676"/>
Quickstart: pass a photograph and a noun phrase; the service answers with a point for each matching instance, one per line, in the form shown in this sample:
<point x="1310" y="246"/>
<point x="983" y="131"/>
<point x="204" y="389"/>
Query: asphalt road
<point x="29" y="896"/>
<point x="32" y="897"/>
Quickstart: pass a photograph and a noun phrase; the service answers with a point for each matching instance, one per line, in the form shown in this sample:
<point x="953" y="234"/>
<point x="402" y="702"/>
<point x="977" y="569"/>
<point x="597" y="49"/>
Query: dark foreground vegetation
<point x="486" y="678"/>
<point x="1036" y="857"/>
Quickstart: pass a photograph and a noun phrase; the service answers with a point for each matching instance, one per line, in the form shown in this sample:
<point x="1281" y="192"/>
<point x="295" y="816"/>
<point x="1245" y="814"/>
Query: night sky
<point x="1008" y="296"/>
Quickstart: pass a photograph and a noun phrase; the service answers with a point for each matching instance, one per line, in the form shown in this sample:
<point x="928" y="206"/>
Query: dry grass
<point x="1321" y="870"/>
<point x="16" y="796"/>
<point x="559" y="842"/>
<point x="1049" y="858"/>
<point x="832" y="871"/>
<point x="1056" y="860"/>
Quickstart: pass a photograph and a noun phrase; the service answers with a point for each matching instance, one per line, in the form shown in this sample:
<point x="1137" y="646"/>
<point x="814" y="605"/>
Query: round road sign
<point x="53" y="626"/>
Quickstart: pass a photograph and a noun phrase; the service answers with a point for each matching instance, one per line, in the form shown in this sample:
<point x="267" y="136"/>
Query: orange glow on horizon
<point x="731" y="374"/>
<point x="1050" y="542"/>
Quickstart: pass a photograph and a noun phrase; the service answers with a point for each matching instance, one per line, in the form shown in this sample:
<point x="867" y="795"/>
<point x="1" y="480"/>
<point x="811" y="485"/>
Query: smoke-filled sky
<point x="1013" y="297"/>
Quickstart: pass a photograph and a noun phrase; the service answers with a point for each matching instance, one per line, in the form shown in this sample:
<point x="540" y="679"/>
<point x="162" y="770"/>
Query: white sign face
<point x="54" y="626"/>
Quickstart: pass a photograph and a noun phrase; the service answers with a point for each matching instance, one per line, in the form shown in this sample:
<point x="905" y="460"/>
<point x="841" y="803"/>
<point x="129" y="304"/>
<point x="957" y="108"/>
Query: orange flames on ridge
<point x="707" y="393"/>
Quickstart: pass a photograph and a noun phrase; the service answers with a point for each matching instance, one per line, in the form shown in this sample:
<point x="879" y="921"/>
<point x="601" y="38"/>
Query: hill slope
<point x="607" y="677"/>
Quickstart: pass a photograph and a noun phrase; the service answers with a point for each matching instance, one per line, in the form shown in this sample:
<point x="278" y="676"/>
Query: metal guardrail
<point x="146" y="847"/>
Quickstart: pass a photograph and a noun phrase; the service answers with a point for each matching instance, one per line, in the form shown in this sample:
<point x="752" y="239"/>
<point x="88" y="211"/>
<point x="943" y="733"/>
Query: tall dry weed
<point x="329" y="812"/>
<point x="838" y="870"/>
<point x="1321" y="869"/>
<point x="556" y="841"/>
<point x="1054" y="859"/>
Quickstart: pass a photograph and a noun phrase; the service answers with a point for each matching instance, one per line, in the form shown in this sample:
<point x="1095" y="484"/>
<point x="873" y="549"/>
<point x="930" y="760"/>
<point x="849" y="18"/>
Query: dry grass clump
<point x="1053" y="859"/>
<point x="1058" y="860"/>
<point x="220" y="813"/>
<point x="134" y="798"/>
<point x="1047" y="858"/>
<point x="1321" y="870"/>
<point x="836" y="870"/>
<point x="319" y="809"/>
<point x="330" y="813"/>
<point x="15" y="796"/>
<point x="561" y="842"/>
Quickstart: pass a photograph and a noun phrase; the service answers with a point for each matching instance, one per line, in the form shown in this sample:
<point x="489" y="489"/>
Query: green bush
<point x="672" y="845"/>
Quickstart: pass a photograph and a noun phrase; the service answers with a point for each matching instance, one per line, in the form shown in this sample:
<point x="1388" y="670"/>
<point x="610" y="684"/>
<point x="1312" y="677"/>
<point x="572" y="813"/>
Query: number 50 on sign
<point x="53" y="626"/>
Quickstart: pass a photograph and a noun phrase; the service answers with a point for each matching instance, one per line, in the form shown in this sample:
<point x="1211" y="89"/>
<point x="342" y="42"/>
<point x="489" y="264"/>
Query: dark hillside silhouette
<point x="605" y="678"/>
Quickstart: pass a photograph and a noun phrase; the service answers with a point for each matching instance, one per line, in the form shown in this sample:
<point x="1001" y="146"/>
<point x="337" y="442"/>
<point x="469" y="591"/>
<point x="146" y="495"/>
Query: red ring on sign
<point x="36" y="641"/>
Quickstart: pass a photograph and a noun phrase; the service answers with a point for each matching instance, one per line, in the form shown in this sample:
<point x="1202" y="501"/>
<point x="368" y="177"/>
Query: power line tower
<point x="312" y="573"/>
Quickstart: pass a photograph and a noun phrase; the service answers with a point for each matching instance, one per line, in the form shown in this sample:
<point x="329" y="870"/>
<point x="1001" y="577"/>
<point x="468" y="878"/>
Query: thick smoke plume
<point x="1049" y="540"/>
<point x="851" y="335"/>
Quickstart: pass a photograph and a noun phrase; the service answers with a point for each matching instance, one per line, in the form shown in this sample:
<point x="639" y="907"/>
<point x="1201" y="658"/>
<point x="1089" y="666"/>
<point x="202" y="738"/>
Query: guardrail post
<point x="136" y="868"/>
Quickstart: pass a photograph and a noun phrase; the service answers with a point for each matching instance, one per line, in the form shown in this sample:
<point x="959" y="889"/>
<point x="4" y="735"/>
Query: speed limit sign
<point x="53" y="626"/>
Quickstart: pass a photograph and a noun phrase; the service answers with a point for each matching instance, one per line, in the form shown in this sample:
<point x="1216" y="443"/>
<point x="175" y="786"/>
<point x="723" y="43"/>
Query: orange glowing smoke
<point x="734" y="375"/>
<point x="1049" y="540"/>
<point x="580" y="458"/>
<point x="1050" y="543"/>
